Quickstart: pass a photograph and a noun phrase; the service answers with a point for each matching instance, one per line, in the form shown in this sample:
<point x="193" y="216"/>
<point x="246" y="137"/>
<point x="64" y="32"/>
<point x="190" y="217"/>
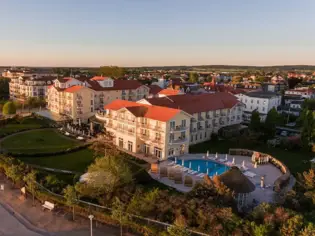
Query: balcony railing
<point x="178" y="128"/>
<point x="180" y="140"/>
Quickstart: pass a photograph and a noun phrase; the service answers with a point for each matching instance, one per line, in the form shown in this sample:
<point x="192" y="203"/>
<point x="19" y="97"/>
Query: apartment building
<point x="145" y="129"/>
<point x="301" y="93"/>
<point x="263" y="102"/>
<point x="79" y="98"/>
<point x="209" y="112"/>
<point x="23" y="87"/>
<point x="16" y="72"/>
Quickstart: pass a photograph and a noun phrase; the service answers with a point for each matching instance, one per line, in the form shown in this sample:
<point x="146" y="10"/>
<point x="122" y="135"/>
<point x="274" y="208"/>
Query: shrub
<point x="9" y="108"/>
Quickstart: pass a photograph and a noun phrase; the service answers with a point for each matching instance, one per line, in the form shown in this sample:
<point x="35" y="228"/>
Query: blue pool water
<point x="213" y="167"/>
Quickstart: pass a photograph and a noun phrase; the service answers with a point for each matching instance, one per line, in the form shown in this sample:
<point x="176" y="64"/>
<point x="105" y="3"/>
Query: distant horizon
<point x="199" y="65"/>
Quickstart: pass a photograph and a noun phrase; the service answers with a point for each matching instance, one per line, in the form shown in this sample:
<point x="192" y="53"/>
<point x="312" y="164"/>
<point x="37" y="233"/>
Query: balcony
<point x="208" y="117"/>
<point x="179" y="128"/>
<point x="144" y="137"/>
<point x="180" y="140"/>
<point x="144" y="125"/>
<point x="128" y="121"/>
<point x="193" y="120"/>
<point x="158" y="128"/>
<point x="208" y="126"/>
<point x="193" y="130"/>
<point x="200" y="128"/>
<point x="157" y="141"/>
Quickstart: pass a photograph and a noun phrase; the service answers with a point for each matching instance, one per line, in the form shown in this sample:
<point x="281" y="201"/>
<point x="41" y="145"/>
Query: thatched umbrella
<point x="238" y="183"/>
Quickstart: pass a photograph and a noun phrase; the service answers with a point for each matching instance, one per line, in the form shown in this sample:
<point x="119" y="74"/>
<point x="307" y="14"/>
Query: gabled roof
<point x="154" y="89"/>
<point x="140" y="110"/>
<point x="196" y="103"/>
<point x="118" y="85"/>
<point x="100" y="78"/>
<point x="73" y="89"/>
<point x="169" y="92"/>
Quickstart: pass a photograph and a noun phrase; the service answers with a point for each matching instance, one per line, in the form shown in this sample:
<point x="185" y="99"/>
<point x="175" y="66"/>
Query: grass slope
<point x="38" y="141"/>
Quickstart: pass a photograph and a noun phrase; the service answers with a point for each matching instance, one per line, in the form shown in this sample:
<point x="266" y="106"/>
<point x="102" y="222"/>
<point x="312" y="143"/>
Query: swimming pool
<point x="204" y="166"/>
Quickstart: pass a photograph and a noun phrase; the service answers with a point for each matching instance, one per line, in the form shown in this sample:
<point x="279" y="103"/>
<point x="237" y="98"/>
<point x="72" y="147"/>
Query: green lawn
<point x="37" y="141"/>
<point x="293" y="159"/>
<point x="26" y="123"/>
<point x="75" y="161"/>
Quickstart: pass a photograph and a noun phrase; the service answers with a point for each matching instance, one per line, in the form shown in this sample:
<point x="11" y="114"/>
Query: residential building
<point x="210" y="112"/>
<point x="273" y="87"/>
<point x="303" y="92"/>
<point x="89" y="95"/>
<point x="263" y="102"/>
<point x="23" y="87"/>
<point x="146" y="129"/>
<point x="17" y="72"/>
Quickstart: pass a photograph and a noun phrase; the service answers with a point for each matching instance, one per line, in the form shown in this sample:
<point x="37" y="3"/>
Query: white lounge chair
<point x="190" y="171"/>
<point x="194" y="172"/>
<point x="249" y="174"/>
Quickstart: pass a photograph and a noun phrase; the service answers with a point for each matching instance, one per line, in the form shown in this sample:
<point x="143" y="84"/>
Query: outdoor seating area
<point x="184" y="172"/>
<point x="78" y="131"/>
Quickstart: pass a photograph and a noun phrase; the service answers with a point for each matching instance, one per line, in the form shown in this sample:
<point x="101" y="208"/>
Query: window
<point x="191" y="138"/>
<point x="171" y="137"/>
<point x="130" y="146"/>
<point x="92" y="102"/>
<point x="172" y="124"/>
<point x="263" y="109"/>
<point x="196" y="137"/>
<point x="92" y="109"/>
<point x="200" y="135"/>
<point x="121" y="143"/>
<point x="183" y="123"/>
<point x="157" y="152"/>
<point x="183" y="135"/>
<point x="205" y="134"/>
<point x="252" y="101"/>
<point x="157" y="136"/>
<point x="171" y="152"/>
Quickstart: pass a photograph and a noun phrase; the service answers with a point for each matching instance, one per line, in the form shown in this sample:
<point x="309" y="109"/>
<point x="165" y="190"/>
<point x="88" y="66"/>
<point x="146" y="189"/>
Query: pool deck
<point x="270" y="172"/>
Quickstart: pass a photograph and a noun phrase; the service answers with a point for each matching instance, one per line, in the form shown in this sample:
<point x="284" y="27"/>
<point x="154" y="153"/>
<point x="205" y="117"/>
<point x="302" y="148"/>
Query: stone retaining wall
<point x="282" y="181"/>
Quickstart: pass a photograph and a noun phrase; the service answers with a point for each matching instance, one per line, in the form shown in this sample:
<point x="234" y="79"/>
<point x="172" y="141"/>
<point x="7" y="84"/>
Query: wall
<point x="282" y="181"/>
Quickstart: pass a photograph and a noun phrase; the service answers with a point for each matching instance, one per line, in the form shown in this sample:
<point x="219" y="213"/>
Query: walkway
<point x="28" y="220"/>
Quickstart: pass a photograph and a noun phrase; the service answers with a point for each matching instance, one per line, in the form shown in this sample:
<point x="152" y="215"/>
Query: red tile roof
<point x="99" y="78"/>
<point x="141" y="110"/>
<point x="155" y="89"/>
<point x="196" y="103"/>
<point x="73" y="89"/>
<point x="169" y="92"/>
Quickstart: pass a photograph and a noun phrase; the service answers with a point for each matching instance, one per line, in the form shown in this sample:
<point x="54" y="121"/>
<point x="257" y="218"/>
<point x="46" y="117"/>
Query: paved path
<point x="9" y="225"/>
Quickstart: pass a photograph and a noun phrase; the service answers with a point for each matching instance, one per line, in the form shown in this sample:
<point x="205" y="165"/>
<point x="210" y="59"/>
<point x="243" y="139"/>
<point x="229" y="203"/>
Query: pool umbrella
<point x="207" y="153"/>
<point x="216" y="155"/>
<point x="233" y="162"/>
<point x="175" y="160"/>
<point x="226" y="157"/>
<point x="198" y="168"/>
<point x="183" y="162"/>
<point x="236" y="181"/>
<point x="243" y="164"/>
<point x="190" y="165"/>
<point x="207" y="171"/>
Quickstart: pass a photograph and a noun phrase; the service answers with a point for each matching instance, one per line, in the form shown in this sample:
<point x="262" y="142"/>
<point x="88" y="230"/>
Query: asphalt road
<point x="9" y="225"/>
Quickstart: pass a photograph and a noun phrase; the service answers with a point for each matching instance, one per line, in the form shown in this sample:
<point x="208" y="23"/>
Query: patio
<point x="268" y="171"/>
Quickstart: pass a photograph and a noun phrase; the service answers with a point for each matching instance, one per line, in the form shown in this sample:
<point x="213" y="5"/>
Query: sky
<point x="156" y="32"/>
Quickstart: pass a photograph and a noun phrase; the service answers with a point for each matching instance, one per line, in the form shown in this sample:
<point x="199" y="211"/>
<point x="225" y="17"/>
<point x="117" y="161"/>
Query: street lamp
<point x="91" y="225"/>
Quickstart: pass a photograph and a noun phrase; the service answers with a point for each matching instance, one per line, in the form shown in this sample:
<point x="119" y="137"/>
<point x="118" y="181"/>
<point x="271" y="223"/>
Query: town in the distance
<point x="181" y="150"/>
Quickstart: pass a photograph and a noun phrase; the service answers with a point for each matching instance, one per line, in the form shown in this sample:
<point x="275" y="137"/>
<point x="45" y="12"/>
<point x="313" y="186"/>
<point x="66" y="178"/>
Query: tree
<point x="9" y="108"/>
<point x="30" y="180"/>
<point x="209" y="78"/>
<point x="112" y="169"/>
<point x="4" y="88"/>
<point x="112" y="71"/>
<point x="308" y="129"/>
<point x="255" y="124"/>
<point x="118" y="213"/>
<point x="271" y="123"/>
<point x="237" y="79"/>
<point x="179" y="228"/>
<point x="261" y="79"/>
<point x="71" y="197"/>
<point x="14" y="173"/>
<point x="193" y="77"/>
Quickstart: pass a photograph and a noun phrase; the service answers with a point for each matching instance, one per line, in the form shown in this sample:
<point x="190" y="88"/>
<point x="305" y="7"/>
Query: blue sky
<point x="156" y="32"/>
